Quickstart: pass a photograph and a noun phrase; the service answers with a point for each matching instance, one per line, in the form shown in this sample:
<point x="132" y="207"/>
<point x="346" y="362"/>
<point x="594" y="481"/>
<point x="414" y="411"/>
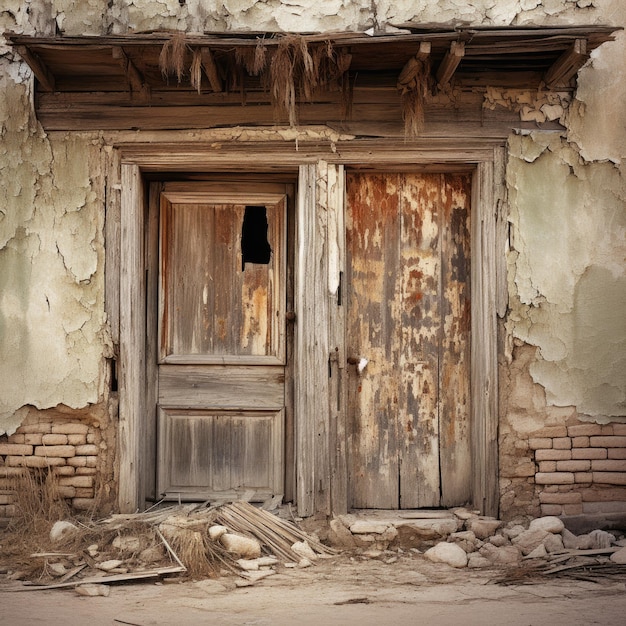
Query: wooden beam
<point x="566" y="66"/>
<point x="210" y="69"/>
<point x="41" y="72"/>
<point x="450" y="62"/>
<point x="414" y="65"/>
<point x="134" y="77"/>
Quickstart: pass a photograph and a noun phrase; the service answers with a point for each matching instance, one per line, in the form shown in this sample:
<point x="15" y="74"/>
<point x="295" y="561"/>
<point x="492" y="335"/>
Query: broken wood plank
<point x="414" y="64"/>
<point x="450" y="62"/>
<point x="40" y="70"/>
<point x="136" y="81"/>
<point x="566" y="66"/>
<point x="210" y="69"/>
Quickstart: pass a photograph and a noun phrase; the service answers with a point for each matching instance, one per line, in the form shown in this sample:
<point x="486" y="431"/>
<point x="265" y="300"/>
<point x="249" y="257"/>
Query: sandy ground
<point x="342" y="590"/>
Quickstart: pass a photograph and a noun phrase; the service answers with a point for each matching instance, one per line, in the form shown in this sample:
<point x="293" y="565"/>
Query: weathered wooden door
<point x="221" y="347"/>
<point x="408" y="325"/>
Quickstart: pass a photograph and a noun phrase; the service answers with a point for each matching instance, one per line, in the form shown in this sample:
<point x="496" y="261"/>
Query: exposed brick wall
<point x="581" y="468"/>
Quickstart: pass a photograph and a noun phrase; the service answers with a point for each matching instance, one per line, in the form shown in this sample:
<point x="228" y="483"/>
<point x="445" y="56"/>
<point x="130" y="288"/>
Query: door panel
<point x="221" y="337"/>
<point x="408" y="315"/>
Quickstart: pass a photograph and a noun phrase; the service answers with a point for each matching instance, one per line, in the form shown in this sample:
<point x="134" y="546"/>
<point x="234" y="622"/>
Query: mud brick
<point x="584" y="430"/>
<point x="539" y="443"/>
<point x="604" y="507"/>
<point x="609" y="466"/>
<point x="86" y="471"/>
<point x="35" y="461"/>
<point x="551" y="509"/>
<point x="583" y="477"/>
<point x="77" y="461"/>
<point x="16" y="449"/>
<point x="70" y="428"/>
<point x="610" y="478"/>
<point x="87" y="450"/>
<point x="94" y="437"/>
<point x="76" y="440"/>
<point x="580" y="442"/>
<point x="66" y="491"/>
<point x="33" y="439"/>
<point x="64" y="470"/>
<point x="572" y="509"/>
<point x="84" y="492"/>
<point x="83" y="504"/>
<point x="6" y="498"/>
<point x="551" y="431"/>
<point x="43" y="427"/>
<point x="11" y="472"/>
<point x="77" y="481"/>
<point x="92" y="461"/>
<point x="604" y="495"/>
<point x="572" y="497"/>
<point x="561" y="443"/>
<point x="54" y="440"/>
<point x="554" y="478"/>
<point x="608" y="442"/>
<point x="619" y="429"/>
<point x="17" y="438"/>
<point x="7" y="510"/>
<point x="547" y="466"/>
<point x="553" y="455"/>
<point x="64" y="451"/>
<point x="589" y="453"/>
<point x="617" y="453"/>
<point x="607" y="429"/>
<point x="573" y="466"/>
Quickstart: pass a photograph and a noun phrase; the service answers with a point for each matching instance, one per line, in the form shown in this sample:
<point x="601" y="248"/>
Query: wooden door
<point x="221" y="347"/>
<point x="408" y="325"/>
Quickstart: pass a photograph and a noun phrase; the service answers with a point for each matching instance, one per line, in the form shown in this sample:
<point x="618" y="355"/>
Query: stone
<point x="304" y="562"/>
<point x="507" y="555"/>
<point x="465" y="514"/>
<point x="448" y="553"/>
<point x="619" y="557"/>
<point x="61" y="529"/>
<point x="529" y="540"/>
<point x="57" y="569"/>
<point x="216" y="531"/>
<point x="570" y="540"/>
<point x="549" y="523"/>
<point x="127" y="544"/>
<point x="151" y="554"/>
<point x="553" y="543"/>
<point x="243" y="546"/>
<point x="107" y="566"/>
<point x="304" y="550"/>
<point x="366" y="527"/>
<point x="584" y="542"/>
<point x="498" y="540"/>
<point x="476" y="561"/>
<point x="484" y="527"/>
<point x="339" y="535"/>
<point x="538" y="553"/>
<point x="513" y="531"/>
<point x="92" y="590"/>
<point x="248" y="565"/>
<point x="601" y="539"/>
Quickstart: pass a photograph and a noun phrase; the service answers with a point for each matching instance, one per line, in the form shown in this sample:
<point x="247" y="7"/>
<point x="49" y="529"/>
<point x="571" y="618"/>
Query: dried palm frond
<point x="196" y="70"/>
<point x="414" y="83"/>
<point x="172" y="57"/>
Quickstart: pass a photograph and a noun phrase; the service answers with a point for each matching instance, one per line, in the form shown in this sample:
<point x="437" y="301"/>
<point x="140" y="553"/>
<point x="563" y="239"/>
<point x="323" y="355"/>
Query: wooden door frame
<point x="321" y="481"/>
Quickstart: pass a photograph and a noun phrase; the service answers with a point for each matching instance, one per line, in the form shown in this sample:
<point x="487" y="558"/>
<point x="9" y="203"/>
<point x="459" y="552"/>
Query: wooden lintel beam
<point x="134" y="77"/>
<point x="210" y="69"/>
<point x="41" y="72"/>
<point x="414" y="65"/>
<point x="566" y="66"/>
<point x="450" y="62"/>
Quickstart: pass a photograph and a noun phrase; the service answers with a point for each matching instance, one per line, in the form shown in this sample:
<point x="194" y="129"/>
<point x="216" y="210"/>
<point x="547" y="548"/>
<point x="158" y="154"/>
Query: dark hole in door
<point x="255" y="247"/>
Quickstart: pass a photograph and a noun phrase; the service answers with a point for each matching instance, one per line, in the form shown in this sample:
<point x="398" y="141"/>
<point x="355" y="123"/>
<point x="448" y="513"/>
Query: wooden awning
<point x="165" y="80"/>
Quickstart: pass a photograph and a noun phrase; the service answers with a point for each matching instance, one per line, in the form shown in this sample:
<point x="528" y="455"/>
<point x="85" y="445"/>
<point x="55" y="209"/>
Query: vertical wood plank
<point x="419" y="320"/>
<point x="484" y="342"/>
<point x="112" y="234"/>
<point x="454" y="371"/>
<point x="132" y="340"/>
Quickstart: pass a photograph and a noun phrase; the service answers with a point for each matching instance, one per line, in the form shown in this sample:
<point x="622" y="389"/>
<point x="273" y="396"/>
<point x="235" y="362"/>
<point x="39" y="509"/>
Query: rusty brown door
<point x="408" y="326"/>
<point x="221" y="346"/>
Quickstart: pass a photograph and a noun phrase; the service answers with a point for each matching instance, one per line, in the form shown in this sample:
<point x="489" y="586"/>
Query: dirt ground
<point x="400" y="587"/>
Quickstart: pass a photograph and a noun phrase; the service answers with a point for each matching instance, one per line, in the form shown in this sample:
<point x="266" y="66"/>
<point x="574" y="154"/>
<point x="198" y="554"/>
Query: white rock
<point x="61" y="529"/>
<point x="449" y="553"/>
<point x="249" y="565"/>
<point x="127" y="544"/>
<point x="475" y="560"/>
<point x="570" y="541"/>
<point x="530" y="539"/>
<point x="465" y="514"/>
<point x="498" y="540"/>
<point x="365" y="527"/>
<point x="304" y="550"/>
<point x="484" y="527"/>
<point x="107" y="566"/>
<point x="619" y="556"/>
<point x="93" y="550"/>
<point x="583" y="542"/>
<point x="57" y="569"/>
<point x="216" y="531"/>
<point x="554" y="543"/>
<point x="550" y="524"/>
<point x="243" y="546"/>
<point x="538" y="553"/>
<point x="513" y="531"/>
<point x="507" y="555"/>
<point x="91" y="590"/>
<point x="302" y="563"/>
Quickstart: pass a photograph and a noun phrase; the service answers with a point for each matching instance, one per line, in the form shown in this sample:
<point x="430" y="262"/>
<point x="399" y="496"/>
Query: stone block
<point x="553" y="455"/>
<point x="610" y="478"/>
<point x="617" y="453"/>
<point x="539" y="443"/>
<point x="580" y="442"/>
<point x="573" y="466"/>
<point x="608" y="442"/>
<point x="571" y="497"/>
<point x="584" y="430"/>
<point x="554" y="478"/>
<point x="16" y="449"/>
<point x="611" y="465"/>
<point x="54" y="440"/>
<point x="62" y="451"/>
<point x="589" y="453"/>
<point x="87" y="450"/>
<point x="70" y="428"/>
<point x="562" y="443"/>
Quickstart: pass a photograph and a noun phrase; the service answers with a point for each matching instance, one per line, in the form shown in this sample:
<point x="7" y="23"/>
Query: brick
<point x="64" y="451"/>
<point x="87" y="450"/>
<point x="584" y="430"/>
<point x="33" y="438"/>
<point x="619" y="429"/>
<point x="608" y="442"/>
<point x="11" y="472"/>
<point x="573" y="466"/>
<point x="35" y="461"/>
<point x="17" y="438"/>
<point x="583" y="477"/>
<point x="604" y="507"/>
<point x="580" y="442"/>
<point x="571" y="497"/>
<point x="604" y="495"/>
<point x="572" y="509"/>
<point x="551" y="431"/>
<point x="44" y="427"/>
<point x="607" y="429"/>
<point x="66" y="491"/>
<point x="551" y="509"/>
<point x="554" y="478"/>
<point x="553" y="455"/>
<point x="610" y="478"/>
<point x="77" y="481"/>
<point x="589" y="453"/>
<point x="77" y="461"/>
<point x="77" y="440"/>
<point x="84" y="492"/>
<point x="54" y="440"/>
<point x="16" y="449"/>
<point x="609" y="466"/>
<point x="64" y="470"/>
<point x="83" y="504"/>
<point x="617" y="453"/>
<point x="547" y="466"/>
<point x="92" y="461"/>
<point x="86" y="471"/>
<point x="6" y="499"/>
<point x="561" y="443"/>
<point x="8" y="510"/>
<point x="539" y="443"/>
<point x="94" y="438"/>
<point x="70" y="428"/>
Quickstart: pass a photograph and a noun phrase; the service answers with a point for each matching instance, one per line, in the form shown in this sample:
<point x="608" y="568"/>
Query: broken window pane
<point x="255" y="247"/>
